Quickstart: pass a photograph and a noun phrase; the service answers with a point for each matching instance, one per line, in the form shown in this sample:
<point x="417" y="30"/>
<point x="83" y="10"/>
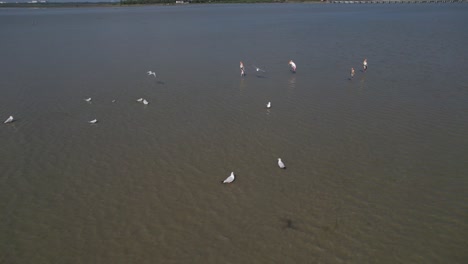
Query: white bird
<point x="145" y="102"/>
<point x="293" y="65"/>
<point x="9" y="120"/>
<point x="230" y="178"/>
<point x="94" y="121"/>
<point x="281" y="164"/>
<point x="113" y="101"/>
<point x="140" y="100"/>
<point x="88" y="99"/>
<point x="258" y="69"/>
<point x="269" y="105"/>
<point x="152" y="73"/>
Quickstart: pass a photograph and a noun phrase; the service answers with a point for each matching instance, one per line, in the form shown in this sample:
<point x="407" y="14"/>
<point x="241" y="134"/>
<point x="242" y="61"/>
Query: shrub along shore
<point x="148" y="2"/>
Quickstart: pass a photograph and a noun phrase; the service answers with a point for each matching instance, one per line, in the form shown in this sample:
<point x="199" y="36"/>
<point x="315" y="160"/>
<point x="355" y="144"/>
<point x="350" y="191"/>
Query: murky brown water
<point x="377" y="166"/>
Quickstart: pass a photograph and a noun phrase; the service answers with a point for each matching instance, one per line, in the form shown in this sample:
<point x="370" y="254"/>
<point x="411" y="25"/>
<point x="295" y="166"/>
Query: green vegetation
<point x="60" y="4"/>
<point x="145" y="2"/>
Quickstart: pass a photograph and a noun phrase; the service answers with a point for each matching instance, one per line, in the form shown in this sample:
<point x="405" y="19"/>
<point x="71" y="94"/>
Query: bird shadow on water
<point x="288" y="223"/>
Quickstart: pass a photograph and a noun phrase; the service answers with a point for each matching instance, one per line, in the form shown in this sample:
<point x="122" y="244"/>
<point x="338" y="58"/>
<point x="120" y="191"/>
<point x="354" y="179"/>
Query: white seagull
<point x="145" y="102"/>
<point x="230" y="178"/>
<point x="140" y="100"/>
<point x="269" y="105"/>
<point x="94" y="121"/>
<point x="281" y="164"/>
<point x="258" y="69"/>
<point x="9" y="120"/>
<point x="88" y="100"/>
<point x="152" y="73"/>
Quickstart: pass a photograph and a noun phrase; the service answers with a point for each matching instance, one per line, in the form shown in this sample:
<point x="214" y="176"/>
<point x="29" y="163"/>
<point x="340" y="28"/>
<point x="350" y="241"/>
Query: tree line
<point x="144" y="2"/>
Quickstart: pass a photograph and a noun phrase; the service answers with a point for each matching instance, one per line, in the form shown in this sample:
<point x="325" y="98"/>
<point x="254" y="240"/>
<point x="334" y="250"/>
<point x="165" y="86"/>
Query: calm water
<point x="377" y="166"/>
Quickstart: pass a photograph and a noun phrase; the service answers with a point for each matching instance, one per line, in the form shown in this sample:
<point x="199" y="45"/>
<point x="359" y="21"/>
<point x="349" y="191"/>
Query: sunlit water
<point x="377" y="167"/>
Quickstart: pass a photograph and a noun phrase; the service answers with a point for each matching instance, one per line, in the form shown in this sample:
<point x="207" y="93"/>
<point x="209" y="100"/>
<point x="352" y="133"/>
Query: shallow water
<point x="376" y="166"/>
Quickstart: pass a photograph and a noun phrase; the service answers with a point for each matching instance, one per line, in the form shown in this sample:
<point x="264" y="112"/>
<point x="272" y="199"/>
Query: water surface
<point x="377" y="166"/>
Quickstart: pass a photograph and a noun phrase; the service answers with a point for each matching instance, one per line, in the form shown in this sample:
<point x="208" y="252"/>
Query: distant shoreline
<point x="54" y="5"/>
<point x="126" y="3"/>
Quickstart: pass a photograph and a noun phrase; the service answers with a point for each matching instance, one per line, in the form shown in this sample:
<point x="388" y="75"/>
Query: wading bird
<point x="293" y="66"/>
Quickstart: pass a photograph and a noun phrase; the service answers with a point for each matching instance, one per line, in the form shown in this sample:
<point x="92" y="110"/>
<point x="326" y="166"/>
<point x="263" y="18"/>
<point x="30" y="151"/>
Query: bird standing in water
<point x="242" y="70"/>
<point x="293" y="66"/>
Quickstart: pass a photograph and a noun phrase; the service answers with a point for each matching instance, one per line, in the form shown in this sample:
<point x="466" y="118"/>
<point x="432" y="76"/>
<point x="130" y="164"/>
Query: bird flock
<point x="139" y="100"/>
<point x="293" y="69"/>
<point x="231" y="177"/>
